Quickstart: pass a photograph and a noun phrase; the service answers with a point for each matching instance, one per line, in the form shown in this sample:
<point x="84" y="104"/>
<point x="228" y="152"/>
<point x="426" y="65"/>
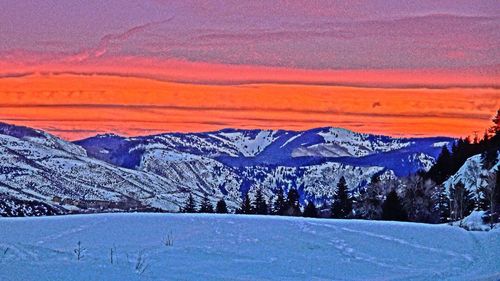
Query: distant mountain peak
<point x="109" y="135"/>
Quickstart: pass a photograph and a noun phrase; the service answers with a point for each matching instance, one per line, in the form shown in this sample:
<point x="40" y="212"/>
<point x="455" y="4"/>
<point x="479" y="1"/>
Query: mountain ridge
<point x="276" y="147"/>
<point x="111" y="172"/>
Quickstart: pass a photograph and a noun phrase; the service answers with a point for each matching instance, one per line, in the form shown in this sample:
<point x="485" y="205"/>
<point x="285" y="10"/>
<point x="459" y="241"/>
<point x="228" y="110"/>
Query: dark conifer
<point x="260" y="204"/>
<point x="190" y="206"/>
<point x="489" y="157"/>
<point x="342" y="201"/>
<point x="221" y="207"/>
<point x="392" y="209"/>
<point x="206" y="206"/>
<point x="246" y="206"/>
<point x="495" y="128"/>
<point x="280" y="204"/>
<point x="310" y="210"/>
<point x="440" y="171"/>
<point x="293" y="207"/>
<point x="486" y="136"/>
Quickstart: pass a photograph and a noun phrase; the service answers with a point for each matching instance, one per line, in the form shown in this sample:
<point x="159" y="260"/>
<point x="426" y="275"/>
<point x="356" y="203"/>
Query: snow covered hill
<point x="38" y="167"/>
<point x="232" y="247"/>
<point x="471" y="174"/>
<point x="109" y="172"/>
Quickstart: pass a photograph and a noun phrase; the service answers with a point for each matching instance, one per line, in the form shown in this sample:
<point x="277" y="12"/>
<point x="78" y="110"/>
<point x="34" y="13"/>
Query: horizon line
<point x="113" y="133"/>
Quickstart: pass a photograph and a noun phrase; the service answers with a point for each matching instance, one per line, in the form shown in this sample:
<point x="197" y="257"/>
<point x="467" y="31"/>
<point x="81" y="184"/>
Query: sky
<point x="400" y="68"/>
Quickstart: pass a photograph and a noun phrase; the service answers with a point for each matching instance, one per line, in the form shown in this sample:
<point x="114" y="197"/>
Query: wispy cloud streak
<point x="110" y="40"/>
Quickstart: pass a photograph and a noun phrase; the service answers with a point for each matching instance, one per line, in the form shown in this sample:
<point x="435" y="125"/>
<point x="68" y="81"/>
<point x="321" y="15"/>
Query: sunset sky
<point x="401" y="68"/>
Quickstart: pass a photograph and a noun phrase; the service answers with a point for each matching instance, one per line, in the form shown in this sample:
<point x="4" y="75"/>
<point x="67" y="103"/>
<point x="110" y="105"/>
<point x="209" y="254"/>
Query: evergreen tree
<point x="342" y="201"/>
<point x="486" y="136"/>
<point x="190" y="206"/>
<point x="442" y="204"/>
<point x="206" y="206"/>
<point x="489" y="157"/>
<point x="455" y="155"/>
<point x="442" y="169"/>
<point x="260" y="204"/>
<point x="310" y="210"/>
<point x="495" y="128"/>
<point x="280" y="204"/>
<point x="246" y="206"/>
<point x="221" y="207"/>
<point x="459" y="155"/>
<point x="392" y="209"/>
<point x="293" y="207"/>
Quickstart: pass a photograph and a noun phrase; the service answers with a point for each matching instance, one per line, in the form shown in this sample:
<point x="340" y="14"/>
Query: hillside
<point x="237" y="161"/>
<point x="110" y="172"/>
<point x="40" y="167"/>
<point x="471" y="174"/>
<point x="231" y="247"/>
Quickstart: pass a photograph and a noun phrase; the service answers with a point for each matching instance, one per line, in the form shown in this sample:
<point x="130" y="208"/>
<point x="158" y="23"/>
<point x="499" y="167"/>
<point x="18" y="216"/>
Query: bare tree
<point x="489" y="191"/>
<point x="141" y="263"/>
<point x="461" y="202"/>
<point x="112" y="253"/>
<point x="79" y="251"/>
<point x="417" y="196"/>
<point x="169" y="240"/>
<point x="4" y="252"/>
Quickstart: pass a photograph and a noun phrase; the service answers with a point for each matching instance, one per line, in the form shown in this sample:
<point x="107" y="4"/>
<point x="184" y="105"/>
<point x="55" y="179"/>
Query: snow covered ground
<point x="231" y="247"/>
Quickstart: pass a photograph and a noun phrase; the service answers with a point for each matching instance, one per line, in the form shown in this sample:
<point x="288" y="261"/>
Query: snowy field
<point x="230" y="247"/>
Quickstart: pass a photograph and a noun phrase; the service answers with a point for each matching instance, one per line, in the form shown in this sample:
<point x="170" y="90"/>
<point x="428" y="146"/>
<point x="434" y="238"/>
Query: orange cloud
<point x="76" y="106"/>
<point x="225" y="74"/>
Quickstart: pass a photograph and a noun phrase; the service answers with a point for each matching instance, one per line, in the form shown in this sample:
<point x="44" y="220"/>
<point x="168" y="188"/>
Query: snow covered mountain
<point x="112" y="172"/>
<point x="237" y="161"/>
<point x="244" y="148"/>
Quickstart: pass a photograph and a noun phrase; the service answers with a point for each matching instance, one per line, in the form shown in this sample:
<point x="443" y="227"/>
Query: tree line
<point x="343" y="206"/>
<point x="449" y="162"/>
<point x="420" y="197"/>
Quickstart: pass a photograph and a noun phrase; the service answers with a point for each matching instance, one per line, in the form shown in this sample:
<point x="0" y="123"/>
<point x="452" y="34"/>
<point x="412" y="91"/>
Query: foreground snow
<point x="230" y="247"/>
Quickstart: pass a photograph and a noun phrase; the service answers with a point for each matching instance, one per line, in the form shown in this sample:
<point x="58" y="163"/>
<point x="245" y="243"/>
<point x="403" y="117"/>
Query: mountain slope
<point x="59" y="173"/>
<point x="471" y="174"/>
<point x="237" y="161"/>
<point x="109" y="172"/>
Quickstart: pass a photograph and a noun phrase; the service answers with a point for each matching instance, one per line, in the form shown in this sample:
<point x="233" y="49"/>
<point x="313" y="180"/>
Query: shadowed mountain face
<point x="109" y="172"/>
<point x="245" y="148"/>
